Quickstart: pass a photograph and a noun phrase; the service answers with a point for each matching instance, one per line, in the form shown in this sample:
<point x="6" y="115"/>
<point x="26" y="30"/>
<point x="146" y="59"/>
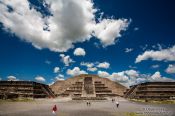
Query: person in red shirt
<point x="54" y="109"/>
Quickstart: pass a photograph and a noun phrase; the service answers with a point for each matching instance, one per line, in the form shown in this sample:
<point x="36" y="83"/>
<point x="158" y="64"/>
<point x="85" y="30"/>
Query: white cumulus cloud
<point x="66" y="59"/>
<point x="48" y="62"/>
<point x="40" y="79"/>
<point x="87" y="64"/>
<point x="109" y="29"/>
<point x="170" y="69"/>
<point x="12" y="78"/>
<point x="90" y="66"/>
<point x="105" y="65"/>
<point x="59" y="77"/>
<point x="132" y="77"/>
<point x="160" y="55"/>
<point x="56" y="69"/>
<point x="132" y="73"/>
<point x="92" y="69"/>
<point x="103" y="74"/>
<point x="79" y="52"/>
<point x="75" y="71"/>
<point x="120" y="77"/>
<point x="71" y="21"/>
<point x="158" y="77"/>
<point x="155" y="66"/>
<point x="127" y="50"/>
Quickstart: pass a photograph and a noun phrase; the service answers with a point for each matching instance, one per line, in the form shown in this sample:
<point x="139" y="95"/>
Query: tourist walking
<point x="113" y="100"/>
<point x="117" y="104"/>
<point x="87" y="103"/>
<point x="54" y="109"/>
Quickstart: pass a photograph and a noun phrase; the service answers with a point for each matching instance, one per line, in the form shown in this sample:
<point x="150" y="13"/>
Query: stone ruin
<point x="88" y="87"/>
<point x="151" y="91"/>
<point x="24" y="89"/>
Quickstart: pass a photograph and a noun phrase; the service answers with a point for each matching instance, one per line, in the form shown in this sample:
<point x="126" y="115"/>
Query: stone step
<point x="89" y="98"/>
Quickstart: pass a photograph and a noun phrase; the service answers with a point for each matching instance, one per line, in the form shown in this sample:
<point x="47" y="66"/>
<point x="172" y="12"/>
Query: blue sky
<point x="123" y="40"/>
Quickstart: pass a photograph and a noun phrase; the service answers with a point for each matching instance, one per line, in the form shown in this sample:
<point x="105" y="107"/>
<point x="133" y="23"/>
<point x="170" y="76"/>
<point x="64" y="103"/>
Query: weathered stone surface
<point x="152" y="90"/>
<point x="87" y="85"/>
<point x="24" y="89"/>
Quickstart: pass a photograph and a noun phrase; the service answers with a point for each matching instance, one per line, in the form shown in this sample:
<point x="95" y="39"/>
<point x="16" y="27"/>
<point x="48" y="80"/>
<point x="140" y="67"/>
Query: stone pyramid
<point x="87" y="86"/>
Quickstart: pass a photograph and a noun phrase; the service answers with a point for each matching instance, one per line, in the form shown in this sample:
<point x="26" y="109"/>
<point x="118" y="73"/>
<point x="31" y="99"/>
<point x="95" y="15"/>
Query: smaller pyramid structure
<point x="152" y="91"/>
<point x="24" y="89"/>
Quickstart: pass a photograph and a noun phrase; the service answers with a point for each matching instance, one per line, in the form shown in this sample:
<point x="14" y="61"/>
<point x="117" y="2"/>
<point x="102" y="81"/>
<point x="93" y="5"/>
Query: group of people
<point x="88" y="103"/>
<point x="117" y="103"/>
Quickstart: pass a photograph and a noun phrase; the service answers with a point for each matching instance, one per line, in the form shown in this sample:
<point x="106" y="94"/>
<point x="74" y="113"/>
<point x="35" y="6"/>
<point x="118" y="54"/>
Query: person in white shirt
<point x="117" y="104"/>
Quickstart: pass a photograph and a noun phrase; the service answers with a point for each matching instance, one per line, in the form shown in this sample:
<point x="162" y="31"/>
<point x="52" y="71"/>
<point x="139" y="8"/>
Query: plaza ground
<point x="67" y="107"/>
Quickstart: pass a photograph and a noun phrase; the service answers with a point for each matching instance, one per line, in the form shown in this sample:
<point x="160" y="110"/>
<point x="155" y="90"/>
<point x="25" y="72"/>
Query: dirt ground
<point x="66" y="107"/>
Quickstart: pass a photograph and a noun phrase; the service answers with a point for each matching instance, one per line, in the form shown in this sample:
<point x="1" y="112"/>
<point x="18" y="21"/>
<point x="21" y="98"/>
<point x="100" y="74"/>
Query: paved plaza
<point x="67" y="107"/>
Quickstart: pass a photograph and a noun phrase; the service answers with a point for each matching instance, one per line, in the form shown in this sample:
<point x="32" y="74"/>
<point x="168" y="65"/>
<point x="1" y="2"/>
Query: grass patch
<point x="137" y="100"/>
<point x="126" y="114"/>
<point x="131" y="114"/>
<point x="163" y="102"/>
